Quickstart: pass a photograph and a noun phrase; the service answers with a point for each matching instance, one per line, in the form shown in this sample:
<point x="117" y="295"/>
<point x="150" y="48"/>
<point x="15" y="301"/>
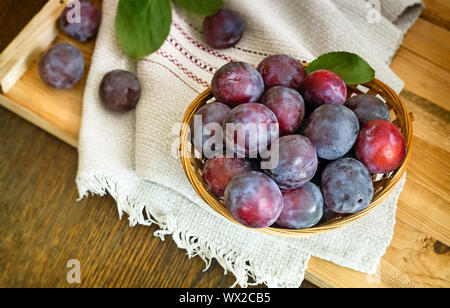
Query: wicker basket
<point x="383" y="185"/>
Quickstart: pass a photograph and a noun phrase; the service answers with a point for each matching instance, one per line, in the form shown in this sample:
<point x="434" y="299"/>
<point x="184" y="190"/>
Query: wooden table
<point x="43" y="227"/>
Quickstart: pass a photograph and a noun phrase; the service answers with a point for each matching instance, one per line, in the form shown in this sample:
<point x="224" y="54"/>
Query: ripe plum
<point x="282" y="70"/>
<point x="368" y="107"/>
<point x="381" y="146"/>
<point x="219" y="171"/>
<point x="347" y="186"/>
<point x="223" y="30"/>
<point x="249" y="129"/>
<point x="254" y="199"/>
<point x="323" y="87"/>
<point x="87" y="26"/>
<point x="206" y="121"/>
<point x="303" y="207"/>
<point x="62" y="66"/>
<point x="120" y="91"/>
<point x="333" y="129"/>
<point x="288" y="106"/>
<point x="237" y="83"/>
<point x="297" y="161"/>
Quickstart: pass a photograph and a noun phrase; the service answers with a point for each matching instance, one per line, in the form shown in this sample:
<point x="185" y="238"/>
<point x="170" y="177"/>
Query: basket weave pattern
<point x="383" y="184"/>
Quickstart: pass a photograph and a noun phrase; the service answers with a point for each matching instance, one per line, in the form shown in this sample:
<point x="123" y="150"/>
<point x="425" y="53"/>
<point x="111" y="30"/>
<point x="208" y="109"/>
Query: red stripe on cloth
<point x="190" y="74"/>
<point x="173" y="73"/>
<point x="197" y="61"/>
<point x="260" y="53"/>
<point x="203" y="47"/>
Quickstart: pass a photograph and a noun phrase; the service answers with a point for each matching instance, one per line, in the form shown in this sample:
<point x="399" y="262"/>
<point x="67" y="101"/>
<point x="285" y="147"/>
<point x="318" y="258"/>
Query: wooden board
<point x="416" y="257"/>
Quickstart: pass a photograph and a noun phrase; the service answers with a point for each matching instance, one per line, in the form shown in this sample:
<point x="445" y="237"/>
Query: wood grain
<point x="423" y="62"/>
<point x="63" y="111"/>
<point x="437" y="12"/>
<point x="410" y="262"/>
<point x="31" y="41"/>
<point x="45" y="227"/>
<point x="429" y="41"/>
<point x="14" y="15"/>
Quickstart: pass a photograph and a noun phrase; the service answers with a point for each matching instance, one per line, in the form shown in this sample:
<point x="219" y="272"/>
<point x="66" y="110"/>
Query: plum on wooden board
<point x="86" y="27"/>
<point x="62" y="66"/>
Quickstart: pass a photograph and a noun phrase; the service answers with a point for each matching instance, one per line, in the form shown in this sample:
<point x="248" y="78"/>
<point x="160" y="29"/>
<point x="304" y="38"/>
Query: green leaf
<point x="142" y="26"/>
<point x="201" y="7"/>
<point x="351" y="67"/>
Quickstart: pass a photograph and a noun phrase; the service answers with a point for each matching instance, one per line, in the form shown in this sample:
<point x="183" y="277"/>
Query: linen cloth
<point x="132" y="156"/>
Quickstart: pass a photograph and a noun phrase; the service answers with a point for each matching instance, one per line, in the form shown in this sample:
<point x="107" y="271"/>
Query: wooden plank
<point x="432" y="123"/>
<point x="412" y="253"/>
<point x="423" y="62"/>
<point x="66" y="136"/>
<point x="430" y="42"/>
<point x="34" y="38"/>
<point x="43" y="226"/>
<point x="437" y="12"/>
<point x="410" y="261"/>
<point x="423" y="207"/>
<point x="423" y="77"/>
<point x="14" y="16"/>
<point x="56" y="111"/>
<point x="426" y="201"/>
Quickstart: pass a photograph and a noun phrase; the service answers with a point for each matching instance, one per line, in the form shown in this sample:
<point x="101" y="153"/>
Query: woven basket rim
<point x="216" y="205"/>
